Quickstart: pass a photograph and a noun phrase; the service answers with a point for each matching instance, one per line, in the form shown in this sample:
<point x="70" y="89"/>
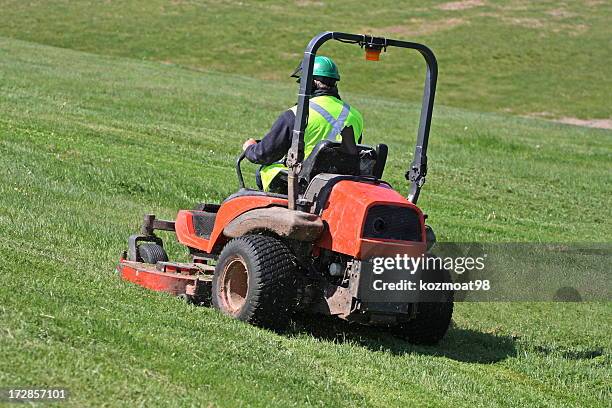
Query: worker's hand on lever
<point x="248" y="143"/>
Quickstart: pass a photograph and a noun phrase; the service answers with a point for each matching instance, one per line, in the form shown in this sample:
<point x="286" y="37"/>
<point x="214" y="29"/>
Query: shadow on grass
<point x="459" y="344"/>
<point x="570" y="354"/>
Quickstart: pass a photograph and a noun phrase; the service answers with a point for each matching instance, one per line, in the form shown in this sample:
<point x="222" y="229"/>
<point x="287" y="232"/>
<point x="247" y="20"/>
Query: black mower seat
<point x="250" y="192"/>
<point x="331" y="157"/>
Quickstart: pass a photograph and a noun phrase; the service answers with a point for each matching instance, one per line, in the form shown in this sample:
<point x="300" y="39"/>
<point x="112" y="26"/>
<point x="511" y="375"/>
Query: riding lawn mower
<point x="264" y="257"/>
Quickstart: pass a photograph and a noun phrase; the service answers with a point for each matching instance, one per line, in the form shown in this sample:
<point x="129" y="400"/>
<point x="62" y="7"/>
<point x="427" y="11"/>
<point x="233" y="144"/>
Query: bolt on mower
<point x="262" y="257"/>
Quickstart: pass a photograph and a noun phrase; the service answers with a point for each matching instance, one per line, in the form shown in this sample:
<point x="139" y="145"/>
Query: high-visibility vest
<point x="327" y="117"/>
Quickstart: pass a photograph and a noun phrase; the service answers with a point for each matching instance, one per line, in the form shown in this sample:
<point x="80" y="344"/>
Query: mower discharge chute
<point x="261" y="257"/>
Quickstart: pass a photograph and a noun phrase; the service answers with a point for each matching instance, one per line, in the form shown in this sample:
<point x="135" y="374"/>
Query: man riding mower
<point x="262" y="256"/>
<point x="328" y="116"/>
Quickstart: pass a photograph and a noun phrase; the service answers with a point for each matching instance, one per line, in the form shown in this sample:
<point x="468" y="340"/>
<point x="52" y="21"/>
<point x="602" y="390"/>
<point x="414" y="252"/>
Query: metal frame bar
<point x="418" y="169"/>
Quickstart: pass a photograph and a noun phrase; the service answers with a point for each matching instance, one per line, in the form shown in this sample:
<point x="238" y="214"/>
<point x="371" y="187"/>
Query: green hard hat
<point x="323" y="67"/>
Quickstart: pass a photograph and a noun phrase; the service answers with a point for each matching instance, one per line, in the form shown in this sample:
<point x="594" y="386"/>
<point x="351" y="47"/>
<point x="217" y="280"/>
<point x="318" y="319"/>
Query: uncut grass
<point x="548" y="58"/>
<point x="85" y="151"/>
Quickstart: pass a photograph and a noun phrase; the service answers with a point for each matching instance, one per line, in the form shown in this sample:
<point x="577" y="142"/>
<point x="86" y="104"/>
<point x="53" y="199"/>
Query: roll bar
<point x="418" y="168"/>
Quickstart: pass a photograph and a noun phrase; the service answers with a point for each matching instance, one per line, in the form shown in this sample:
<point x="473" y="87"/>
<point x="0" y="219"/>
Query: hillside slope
<point x="89" y="143"/>
<point x="546" y="58"/>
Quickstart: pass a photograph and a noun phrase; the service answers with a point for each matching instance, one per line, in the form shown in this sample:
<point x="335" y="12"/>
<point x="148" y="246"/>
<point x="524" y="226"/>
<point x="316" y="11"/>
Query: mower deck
<point x="190" y="280"/>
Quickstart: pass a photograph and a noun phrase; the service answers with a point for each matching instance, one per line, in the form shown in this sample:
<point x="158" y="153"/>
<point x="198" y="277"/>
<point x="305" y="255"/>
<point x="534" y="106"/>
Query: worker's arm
<point x="275" y="144"/>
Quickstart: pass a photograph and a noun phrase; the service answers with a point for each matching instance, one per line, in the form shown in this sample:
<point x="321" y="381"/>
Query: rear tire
<point x="152" y="253"/>
<point x="432" y="319"/>
<point x="256" y="281"/>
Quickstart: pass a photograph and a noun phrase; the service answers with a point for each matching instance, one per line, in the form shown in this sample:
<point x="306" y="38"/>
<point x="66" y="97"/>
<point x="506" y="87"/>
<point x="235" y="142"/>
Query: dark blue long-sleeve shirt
<point x="275" y="144"/>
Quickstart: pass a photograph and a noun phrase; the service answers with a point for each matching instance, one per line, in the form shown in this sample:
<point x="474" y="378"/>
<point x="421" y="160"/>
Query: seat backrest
<point x="328" y="157"/>
<point x="332" y="157"/>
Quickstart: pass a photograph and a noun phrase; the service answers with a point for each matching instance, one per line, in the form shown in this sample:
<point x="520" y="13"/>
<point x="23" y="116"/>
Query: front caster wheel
<point x="152" y="253"/>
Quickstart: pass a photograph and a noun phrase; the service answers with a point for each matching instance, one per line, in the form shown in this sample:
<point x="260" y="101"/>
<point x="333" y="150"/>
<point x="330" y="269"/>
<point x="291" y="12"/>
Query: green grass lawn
<point x="90" y="142"/>
<point x="518" y="56"/>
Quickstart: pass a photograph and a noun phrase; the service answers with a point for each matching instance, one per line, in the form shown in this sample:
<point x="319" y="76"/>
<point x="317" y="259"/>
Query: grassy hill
<point x="88" y="143"/>
<point x="535" y="58"/>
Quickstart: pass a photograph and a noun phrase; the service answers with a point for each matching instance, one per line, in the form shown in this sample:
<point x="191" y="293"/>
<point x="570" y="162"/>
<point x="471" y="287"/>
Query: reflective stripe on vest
<point x="320" y="127"/>
<point x="336" y="124"/>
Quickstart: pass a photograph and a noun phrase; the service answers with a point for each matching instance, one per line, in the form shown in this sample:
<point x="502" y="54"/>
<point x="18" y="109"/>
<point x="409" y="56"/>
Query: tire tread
<point x="152" y="253"/>
<point x="271" y="300"/>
